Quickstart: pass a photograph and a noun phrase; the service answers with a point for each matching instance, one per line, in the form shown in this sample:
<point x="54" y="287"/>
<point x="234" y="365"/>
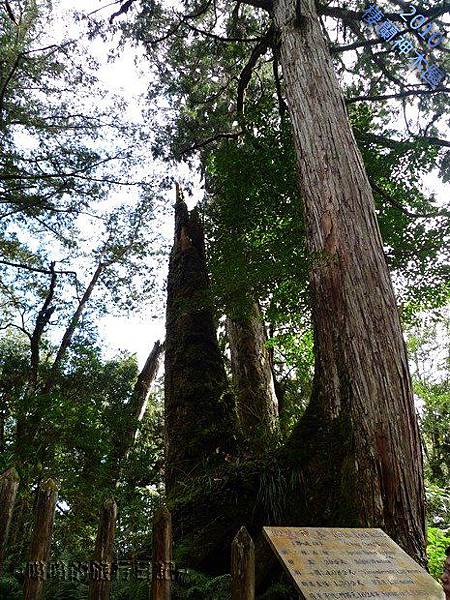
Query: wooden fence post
<point x="40" y="541"/>
<point x="243" y="567"/>
<point x="9" y="484"/>
<point x="100" y="582"/>
<point x="162" y="555"/>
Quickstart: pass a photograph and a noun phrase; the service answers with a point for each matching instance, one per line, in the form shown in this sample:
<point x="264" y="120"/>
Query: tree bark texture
<point x="9" y="484"/>
<point x="359" y="440"/>
<point x="40" y="541"/>
<point x="257" y="403"/>
<point x="199" y="411"/>
<point x="100" y="584"/>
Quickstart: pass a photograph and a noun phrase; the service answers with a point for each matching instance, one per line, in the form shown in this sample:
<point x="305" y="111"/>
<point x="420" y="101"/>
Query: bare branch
<point x="399" y="95"/>
<point x="9" y="11"/>
<point x="390" y="143"/>
<point x="122" y="10"/>
<point x="395" y="204"/>
<point x="220" y="38"/>
<point x="36" y="269"/>
<point x="210" y="140"/>
<point x="244" y="79"/>
<point x="22" y="329"/>
<point x="355" y="46"/>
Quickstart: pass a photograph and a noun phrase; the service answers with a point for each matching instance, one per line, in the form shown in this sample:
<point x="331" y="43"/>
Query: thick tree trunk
<point x="257" y="404"/>
<point x="100" y="584"/>
<point x="363" y="461"/>
<point x="199" y="412"/>
<point x="40" y="541"/>
<point x="9" y="484"/>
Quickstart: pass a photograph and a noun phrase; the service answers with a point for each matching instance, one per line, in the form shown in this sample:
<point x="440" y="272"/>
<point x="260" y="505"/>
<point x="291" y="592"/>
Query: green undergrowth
<point x="438" y="541"/>
<point x="202" y="587"/>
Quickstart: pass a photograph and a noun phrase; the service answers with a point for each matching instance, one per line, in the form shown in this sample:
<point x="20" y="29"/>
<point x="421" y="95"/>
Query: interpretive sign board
<point x="336" y="564"/>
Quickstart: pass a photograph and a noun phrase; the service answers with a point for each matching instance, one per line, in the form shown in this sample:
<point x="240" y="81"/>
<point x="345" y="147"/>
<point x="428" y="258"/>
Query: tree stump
<point x="243" y="566"/>
<point x="40" y="541"/>
<point x="9" y="484"/>
<point x="162" y="555"/>
<point x="101" y="567"/>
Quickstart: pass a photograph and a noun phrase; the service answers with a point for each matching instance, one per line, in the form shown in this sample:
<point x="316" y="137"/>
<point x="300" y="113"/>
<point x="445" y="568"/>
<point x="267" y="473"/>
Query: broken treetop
<point x="336" y="564"/>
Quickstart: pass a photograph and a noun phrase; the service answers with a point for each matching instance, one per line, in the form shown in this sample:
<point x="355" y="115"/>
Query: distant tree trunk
<point x="27" y="424"/>
<point x="9" y="484"/>
<point x="70" y="330"/>
<point x="100" y="588"/>
<point x="358" y="443"/>
<point x="257" y="404"/>
<point x="199" y="413"/>
<point x="42" y="321"/>
<point x="40" y="541"/>
<point x="135" y="411"/>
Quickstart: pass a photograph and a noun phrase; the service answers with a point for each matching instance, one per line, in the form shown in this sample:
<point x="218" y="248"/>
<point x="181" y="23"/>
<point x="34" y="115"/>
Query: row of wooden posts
<point x="242" y="548"/>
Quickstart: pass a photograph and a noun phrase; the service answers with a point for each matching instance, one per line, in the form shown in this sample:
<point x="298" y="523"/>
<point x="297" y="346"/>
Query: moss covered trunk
<point x="199" y="410"/>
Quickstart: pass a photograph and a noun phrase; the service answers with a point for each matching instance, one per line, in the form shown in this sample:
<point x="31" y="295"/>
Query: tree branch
<point x="404" y="94"/>
<point x="36" y="269"/>
<point x="122" y="10"/>
<point x="395" y="204"/>
<point x="390" y="143"/>
<point x="210" y="140"/>
<point x="9" y="11"/>
<point x="244" y="79"/>
<point x="220" y="38"/>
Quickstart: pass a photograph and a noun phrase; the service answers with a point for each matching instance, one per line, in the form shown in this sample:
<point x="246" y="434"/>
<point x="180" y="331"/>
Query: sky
<point x="137" y="332"/>
<point x="129" y="76"/>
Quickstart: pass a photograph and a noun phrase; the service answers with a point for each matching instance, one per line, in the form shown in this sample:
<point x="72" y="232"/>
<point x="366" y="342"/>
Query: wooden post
<point x="243" y="567"/>
<point x="162" y="555"/>
<point x="101" y="571"/>
<point x="40" y="541"/>
<point x="9" y="483"/>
